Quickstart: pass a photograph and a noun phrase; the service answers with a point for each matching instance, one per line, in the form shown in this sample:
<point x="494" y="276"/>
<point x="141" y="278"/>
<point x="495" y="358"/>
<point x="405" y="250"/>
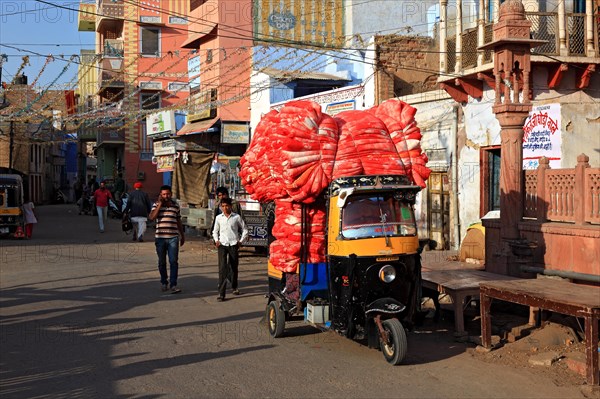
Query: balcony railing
<point x="109" y="10"/>
<point x="113" y="48"/>
<point x="111" y="73"/>
<point x="544" y="26"/>
<point x="563" y="195"/>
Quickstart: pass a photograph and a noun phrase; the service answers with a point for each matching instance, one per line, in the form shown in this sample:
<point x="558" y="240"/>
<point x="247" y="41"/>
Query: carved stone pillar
<point x="512" y="65"/>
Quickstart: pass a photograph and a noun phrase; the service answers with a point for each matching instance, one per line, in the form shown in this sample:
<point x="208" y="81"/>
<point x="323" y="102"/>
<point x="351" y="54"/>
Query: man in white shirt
<point x="228" y="228"/>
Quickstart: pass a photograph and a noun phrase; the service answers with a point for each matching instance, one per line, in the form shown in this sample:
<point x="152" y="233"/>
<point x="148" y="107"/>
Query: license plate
<point x="3" y="230"/>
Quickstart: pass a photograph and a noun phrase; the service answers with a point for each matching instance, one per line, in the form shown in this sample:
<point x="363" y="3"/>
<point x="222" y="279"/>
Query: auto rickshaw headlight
<point x="387" y="274"/>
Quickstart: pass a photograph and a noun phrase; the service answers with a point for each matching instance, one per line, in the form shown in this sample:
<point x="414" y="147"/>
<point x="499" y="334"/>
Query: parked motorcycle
<point x="117" y="208"/>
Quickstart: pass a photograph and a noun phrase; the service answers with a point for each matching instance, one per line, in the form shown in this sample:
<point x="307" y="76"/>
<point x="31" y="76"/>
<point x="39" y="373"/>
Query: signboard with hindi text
<point x="235" y="133"/>
<point x="164" y="147"/>
<point x="202" y="105"/>
<point x="542" y="136"/>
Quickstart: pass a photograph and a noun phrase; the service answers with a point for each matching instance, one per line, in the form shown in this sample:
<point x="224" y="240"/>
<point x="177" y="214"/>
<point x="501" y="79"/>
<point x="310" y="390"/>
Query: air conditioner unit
<point x="151" y="85"/>
<point x="141" y="175"/>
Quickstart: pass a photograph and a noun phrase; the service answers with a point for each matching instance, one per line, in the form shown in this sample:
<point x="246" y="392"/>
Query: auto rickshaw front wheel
<point x="395" y="350"/>
<point x="275" y="319"/>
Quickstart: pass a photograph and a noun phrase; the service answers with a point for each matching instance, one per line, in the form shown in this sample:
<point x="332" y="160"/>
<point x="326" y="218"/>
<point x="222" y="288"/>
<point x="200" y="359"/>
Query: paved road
<point x="82" y="315"/>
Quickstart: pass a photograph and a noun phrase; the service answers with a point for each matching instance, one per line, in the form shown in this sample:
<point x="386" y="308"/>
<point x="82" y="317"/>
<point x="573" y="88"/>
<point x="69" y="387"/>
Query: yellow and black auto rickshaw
<point x="11" y="202"/>
<point x="368" y="286"/>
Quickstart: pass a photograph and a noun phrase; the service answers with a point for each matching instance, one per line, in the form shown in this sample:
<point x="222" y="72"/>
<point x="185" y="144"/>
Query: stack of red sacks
<point x="399" y="119"/>
<point x="291" y="155"/>
<point x="365" y="147"/>
<point x="286" y="249"/>
<point x="296" y="152"/>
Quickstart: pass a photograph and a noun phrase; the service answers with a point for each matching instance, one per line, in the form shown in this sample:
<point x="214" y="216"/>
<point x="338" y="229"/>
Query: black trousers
<point x="228" y="267"/>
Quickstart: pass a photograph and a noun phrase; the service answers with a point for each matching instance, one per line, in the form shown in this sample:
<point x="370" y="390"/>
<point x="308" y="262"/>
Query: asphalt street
<point x="82" y="315"/>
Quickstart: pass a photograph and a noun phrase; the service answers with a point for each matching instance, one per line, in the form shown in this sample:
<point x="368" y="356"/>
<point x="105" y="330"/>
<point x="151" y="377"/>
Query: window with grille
<point x="150" y="42"/>
<point x="490" y="180"/>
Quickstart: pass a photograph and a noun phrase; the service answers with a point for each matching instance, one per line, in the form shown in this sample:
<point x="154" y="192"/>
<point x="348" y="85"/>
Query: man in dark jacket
<point x="138" y="207"/>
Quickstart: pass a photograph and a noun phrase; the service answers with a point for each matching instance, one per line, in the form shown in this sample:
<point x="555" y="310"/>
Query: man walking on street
<point x="169" y="236"/>
<point x="221" y="194"/>
<point x="228" y="228"/>
<point x="138" y="206"/>
<point x="101" y="197"/>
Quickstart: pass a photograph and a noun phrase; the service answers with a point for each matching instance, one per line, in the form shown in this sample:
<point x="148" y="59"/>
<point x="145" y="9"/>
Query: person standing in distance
<point x="138" y="206"/>
<point x="229" y="232"/>
<point x="101" y="197"/>
<point x="169" y="236"/>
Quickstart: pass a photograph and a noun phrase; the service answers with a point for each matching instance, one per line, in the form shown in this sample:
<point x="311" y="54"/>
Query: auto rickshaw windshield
<point x="9" y="196"/>
<point x="377" y="215"/>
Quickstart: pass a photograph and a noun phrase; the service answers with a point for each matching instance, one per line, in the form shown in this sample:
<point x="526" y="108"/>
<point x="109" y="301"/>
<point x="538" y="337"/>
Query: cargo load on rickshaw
<point x="345" y="255"/>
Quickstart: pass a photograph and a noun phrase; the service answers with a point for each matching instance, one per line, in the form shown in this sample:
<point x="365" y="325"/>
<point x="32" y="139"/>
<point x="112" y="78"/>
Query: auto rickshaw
<point x="368" y="286"/>
<point x="11" y="202"/>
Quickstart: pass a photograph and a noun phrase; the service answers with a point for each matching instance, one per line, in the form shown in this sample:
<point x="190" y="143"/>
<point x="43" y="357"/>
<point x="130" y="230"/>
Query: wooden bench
<point x="458" y="284"/>
<point x="554" y="295"/>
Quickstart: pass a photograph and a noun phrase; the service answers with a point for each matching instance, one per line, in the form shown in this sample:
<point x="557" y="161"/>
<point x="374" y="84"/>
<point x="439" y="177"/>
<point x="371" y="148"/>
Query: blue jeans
<point x="170" y="247"/>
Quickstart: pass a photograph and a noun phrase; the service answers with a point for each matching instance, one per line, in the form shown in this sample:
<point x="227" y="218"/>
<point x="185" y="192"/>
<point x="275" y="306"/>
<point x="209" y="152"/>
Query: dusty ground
<point x="559" y="334"/>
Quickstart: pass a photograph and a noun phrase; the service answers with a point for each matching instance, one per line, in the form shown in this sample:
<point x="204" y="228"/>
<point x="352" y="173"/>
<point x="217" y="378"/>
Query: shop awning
<point x="197" y="127"/>
<point x="190" y="42"/>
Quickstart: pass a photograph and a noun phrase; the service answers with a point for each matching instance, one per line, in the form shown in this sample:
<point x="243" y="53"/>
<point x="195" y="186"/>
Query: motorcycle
<point x="117" y="209"/>
<point x="368" y="287"/>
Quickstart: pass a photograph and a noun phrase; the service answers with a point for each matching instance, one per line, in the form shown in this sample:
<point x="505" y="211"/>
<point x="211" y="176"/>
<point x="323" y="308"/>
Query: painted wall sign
<point x="317" y="22"/>
<point x="542" y="136"/>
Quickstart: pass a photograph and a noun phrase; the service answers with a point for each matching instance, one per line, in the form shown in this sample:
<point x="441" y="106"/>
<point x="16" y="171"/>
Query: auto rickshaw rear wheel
<point x="275" y="319"/>
<point x="395" y="350"/>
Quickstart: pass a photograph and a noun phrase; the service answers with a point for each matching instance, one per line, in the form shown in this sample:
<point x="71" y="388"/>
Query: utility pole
<point x="3" y="59"/>
<point x="11" y="145"/>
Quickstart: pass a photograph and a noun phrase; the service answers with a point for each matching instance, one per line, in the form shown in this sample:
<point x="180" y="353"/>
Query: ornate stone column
<point x="512" y="65"/>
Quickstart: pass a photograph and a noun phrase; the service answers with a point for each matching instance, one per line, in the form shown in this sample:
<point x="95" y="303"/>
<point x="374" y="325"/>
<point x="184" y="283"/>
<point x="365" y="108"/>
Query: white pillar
<point x="458" y="65"/>
<point x="589" y="29"/>
<point x="496" y="10"/>
<point x="443" y="35"/>
<point x="480" y="31"/>
<point x="562" y="32"/>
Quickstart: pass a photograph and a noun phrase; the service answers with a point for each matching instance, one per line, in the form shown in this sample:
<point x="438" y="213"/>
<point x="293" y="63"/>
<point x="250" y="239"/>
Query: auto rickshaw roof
<point x="373" y="181"/>
<point x="10" y="180"/>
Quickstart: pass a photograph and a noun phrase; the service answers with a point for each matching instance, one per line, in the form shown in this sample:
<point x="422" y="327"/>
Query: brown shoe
<point x="236" y="292"/>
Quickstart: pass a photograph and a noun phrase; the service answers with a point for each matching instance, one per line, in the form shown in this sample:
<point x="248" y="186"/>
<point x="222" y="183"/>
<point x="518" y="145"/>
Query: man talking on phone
<point x="169" y="236"/>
